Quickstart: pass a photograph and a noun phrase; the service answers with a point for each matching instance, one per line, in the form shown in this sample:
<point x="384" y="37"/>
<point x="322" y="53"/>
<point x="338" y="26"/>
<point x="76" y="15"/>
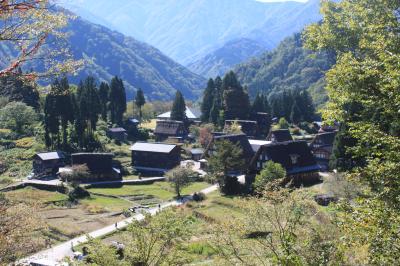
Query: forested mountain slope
<point x="289" y="66"/>
<point x="108" y="53"/>
<point x="189" y="30"/>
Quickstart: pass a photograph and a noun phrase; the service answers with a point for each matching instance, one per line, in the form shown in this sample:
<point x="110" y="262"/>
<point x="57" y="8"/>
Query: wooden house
<point x="280" y="135"/>
<point x="321" y="147"/>
<point x="170" y="128"/>
<point x="47" y="163"/>
<point x="117" y="133"/>
<point x="248" y="127"/>
<point x="155" y="158"/>
<point x="294" y="156"/>
<point x="100" y="166"/>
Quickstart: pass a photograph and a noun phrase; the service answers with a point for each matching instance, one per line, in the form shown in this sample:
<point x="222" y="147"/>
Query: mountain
<point x="289" y="66"/>
<point x="261" y="39"/>
<point x="187" y="31"/>
<point x="223" y="59"/>
<point x="109" y="53"/>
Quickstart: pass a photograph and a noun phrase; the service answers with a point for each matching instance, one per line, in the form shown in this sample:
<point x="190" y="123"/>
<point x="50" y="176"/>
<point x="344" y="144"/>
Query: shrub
<point x="199" y="196"/>
<point x="271" y="171"/>
<point x="26" y="142"/>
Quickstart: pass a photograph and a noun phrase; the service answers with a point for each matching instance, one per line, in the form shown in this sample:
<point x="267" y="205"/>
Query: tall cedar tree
<point x="178" y="111"/>
<point x="58" y="111"/>
<point x="140" y="101"/>
<point x="89" y="105"/>
<point x="227" y="157"/>
<point x="236" y="100"/>
<point x="117" y="101"/>
<point x="104" y="96"/>
<point x="208" y="101"/>
<point x="295" y="114"/>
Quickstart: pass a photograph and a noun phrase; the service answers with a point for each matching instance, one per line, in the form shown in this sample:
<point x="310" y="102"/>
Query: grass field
<point x="161" y="190"/>
<point x="32" y="195"/>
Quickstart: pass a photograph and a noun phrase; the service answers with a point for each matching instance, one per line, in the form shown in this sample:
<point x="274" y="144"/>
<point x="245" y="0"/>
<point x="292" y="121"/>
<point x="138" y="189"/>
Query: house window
<point x="294" y="158"/>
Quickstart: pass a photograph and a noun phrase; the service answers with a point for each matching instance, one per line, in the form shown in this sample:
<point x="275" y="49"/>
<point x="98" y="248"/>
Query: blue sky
<point x="281" y="0"/>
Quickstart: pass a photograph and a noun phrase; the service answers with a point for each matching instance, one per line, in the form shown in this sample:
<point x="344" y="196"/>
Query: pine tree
<point x="89" y="105"/>
<point x="307" y="106"/>
<point x="236" y="103"/>
<point x="140" y="101"/>
<point x="258" y="104"/>
<point x="208" y="100"/>
<point x="178" y="111"/>
<point x="295" y="114"/>
<point x="341" y="158"/>
<point x="104" y="96"/>
<point x="65" y="107"/>
<point x="117" y="101"/>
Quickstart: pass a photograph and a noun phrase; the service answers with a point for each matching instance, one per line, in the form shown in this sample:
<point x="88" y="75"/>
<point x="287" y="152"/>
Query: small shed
<point x="197" y="154"/>
<point x="117" y="133"/>
<point x="48" y="163"/>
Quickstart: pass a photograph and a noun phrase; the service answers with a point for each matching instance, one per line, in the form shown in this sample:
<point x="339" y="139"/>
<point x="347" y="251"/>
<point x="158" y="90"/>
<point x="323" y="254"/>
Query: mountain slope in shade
<point x="289" y="66"/>
<point x="109" y="53"/>
<point x="188" y="30"/>
<point x="223" y="59"/>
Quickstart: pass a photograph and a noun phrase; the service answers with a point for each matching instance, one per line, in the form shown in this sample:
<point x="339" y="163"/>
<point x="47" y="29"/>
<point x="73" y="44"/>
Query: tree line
<point x="71" y="116"/>
<point x="226" y="99"/>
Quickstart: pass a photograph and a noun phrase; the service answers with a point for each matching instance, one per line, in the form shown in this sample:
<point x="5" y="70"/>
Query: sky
<point x="281" y="0"/>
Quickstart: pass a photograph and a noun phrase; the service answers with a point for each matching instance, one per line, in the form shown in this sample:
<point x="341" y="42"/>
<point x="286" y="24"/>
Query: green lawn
<point x="161" y="190"/>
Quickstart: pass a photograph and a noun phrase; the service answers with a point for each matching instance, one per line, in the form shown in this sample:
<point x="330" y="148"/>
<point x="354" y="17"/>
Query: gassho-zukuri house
<point x="155" y="158"/>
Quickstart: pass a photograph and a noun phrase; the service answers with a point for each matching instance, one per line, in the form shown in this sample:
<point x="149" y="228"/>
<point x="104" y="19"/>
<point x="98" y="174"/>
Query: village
<point x="132" y="179"/>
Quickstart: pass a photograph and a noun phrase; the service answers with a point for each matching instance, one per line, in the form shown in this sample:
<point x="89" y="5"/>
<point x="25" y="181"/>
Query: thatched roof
<point x="294" y="156"/>
<point x="169" y="127"/>
<point x="280" y="135"/>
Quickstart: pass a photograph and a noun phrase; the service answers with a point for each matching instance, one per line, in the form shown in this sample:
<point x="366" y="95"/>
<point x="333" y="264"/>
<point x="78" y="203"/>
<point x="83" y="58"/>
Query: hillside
<point x="221" y="60"/>
<point x="189" y="30"/>
<point x="108" y="53"/>
<point x="265" y="37"/>
<point x="289" y="66"/>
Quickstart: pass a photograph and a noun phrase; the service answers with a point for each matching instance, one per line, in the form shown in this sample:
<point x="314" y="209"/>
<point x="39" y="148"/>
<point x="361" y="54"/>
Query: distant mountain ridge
<point x="187" y="31"/>
<point x="223" y="59"/>
<point x="109" y="53"/>
<point x="289" y="66"/>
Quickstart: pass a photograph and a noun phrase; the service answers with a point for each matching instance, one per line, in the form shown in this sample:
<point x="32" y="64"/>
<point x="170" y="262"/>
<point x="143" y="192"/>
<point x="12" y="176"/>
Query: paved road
<point x="59" y="252"/>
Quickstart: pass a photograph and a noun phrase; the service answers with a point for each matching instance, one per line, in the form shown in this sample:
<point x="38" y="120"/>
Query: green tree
<point x="270" y="172"/>
<point x="140" y="101"/>
<point x="180" y="177"/>
<point x="295" y="114"/>
<point x="18" y="117"/>
<point x="153" y="241"/>
<point x="117" y="100"/>
<point x="236" y="101"/>
<point x="227" y="157"/>
<point x="364" y="35"/>
<point x="178" y="111"/>
<point x="104" y="96"/>
<point x="208" y="101"/>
